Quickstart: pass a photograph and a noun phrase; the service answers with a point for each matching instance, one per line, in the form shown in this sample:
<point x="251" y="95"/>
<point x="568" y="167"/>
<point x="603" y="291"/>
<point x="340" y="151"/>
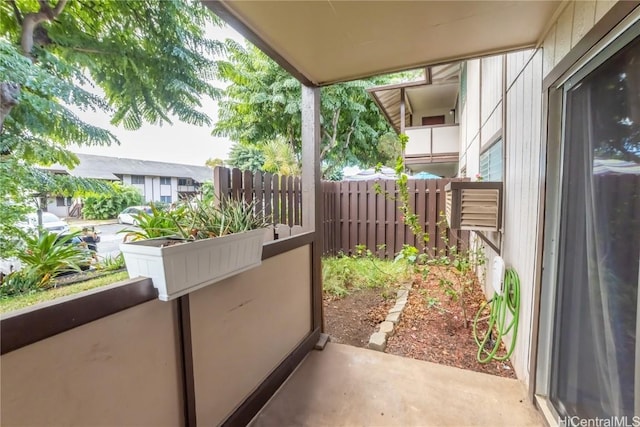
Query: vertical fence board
<point x="353" y="215"/>
<point x="409" y="238"/>
<point x="221" y="182"/>
<point x="371" y="217"/>
<point x="390" y="216"/>
<point x="275" y="202"/>
<point x="398" y="220"/>
<point x="421" y="208"/>
<point x="441" y="183"/>
<point x="283" y="199"/>
<point x="268" y="196"/>
<point x="344" y="216"/>
<point x="247" y="182"/>
<point x="236" y="184"/>
<point x="431" y="214"/>
<point x="258" y="192"/>
<point x="380" y="223"/>
<point x="290" y="190"/>
<point x="297" y="201"/>
<point x="362" y="213"/>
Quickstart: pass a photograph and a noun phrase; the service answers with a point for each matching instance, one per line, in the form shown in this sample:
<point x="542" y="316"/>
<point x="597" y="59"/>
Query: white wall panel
<point x="573" y="23"/>
<point x="473" y="101"/>
<point x="522" y="189"/>
<point x="584" y="13"/>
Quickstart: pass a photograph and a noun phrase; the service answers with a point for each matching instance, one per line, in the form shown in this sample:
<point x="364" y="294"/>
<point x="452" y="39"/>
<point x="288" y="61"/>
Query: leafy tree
<point x="105" y="206"/>
<point x="262" y="103"/>
<point x="212" y="163"/>
<point x="280" y="158"/>
<point x="246" y="156"/>
<point x="149" y="61"/>
<point x="276" y="156"/>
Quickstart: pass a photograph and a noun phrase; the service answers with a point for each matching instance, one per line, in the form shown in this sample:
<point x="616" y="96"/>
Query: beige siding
<point x="120" y="370"/>
<point x="522" y="146"/>
<point x="491" y="107"/>
<point x="522" y="189"/>
<point x="470" y="121"/>
<point x="573" y="23"/>
<point x="472" y="113"/>
<point x="243" y="327"/>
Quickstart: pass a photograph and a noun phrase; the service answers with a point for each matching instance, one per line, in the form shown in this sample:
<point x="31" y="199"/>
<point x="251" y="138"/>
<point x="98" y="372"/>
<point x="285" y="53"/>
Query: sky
<point x="177" y="143"/>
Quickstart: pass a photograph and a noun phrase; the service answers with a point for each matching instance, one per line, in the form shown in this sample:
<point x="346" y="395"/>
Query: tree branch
<point x="32" y="20"/>
<point x="9" y="93"/>
<point x="16" y="11"/>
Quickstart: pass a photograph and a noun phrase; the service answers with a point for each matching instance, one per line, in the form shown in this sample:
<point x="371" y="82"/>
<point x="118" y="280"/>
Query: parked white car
<point x="50" y="222"/>
<point x="128" y="216"/>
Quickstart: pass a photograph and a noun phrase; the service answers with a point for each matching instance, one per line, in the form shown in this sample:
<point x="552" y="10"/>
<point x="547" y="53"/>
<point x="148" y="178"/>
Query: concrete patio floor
<point x="349" y="386"/>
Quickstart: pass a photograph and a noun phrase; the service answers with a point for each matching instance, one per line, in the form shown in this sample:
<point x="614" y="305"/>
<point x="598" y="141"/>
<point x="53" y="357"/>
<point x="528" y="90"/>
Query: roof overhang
<point x="325" y="42"/>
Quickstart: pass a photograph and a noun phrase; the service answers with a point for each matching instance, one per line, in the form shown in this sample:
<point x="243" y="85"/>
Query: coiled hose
<point x="509" y="302"/>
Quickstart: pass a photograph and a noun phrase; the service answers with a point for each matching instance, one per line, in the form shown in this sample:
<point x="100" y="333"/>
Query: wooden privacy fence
<point x="353" y="213"/>
<point x="278" y="197"/>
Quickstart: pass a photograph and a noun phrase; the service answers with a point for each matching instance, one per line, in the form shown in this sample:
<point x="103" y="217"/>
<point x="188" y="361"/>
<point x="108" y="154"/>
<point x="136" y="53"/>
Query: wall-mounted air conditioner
<point x="474" y="205"/>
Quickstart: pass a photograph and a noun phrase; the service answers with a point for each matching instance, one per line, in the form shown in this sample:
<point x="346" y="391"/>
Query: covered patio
<point x="249" y="349"/>
<point x="349" y="386"/>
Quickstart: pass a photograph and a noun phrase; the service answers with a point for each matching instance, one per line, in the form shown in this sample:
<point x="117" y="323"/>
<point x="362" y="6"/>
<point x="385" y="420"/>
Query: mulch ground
<point x="432" y="325"/>
<point x="352" y="319"/>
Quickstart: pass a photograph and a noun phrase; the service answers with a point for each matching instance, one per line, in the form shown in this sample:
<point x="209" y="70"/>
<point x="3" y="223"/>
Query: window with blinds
<point x="491" y="162"/>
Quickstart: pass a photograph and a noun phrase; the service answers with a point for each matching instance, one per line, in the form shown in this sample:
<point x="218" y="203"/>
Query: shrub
<point x="19" y="282"/>
<point x="110" y="263"/>
<point x="106" y="206"/>
<point x="49" y="255"/>
<point x="342" y="274"/>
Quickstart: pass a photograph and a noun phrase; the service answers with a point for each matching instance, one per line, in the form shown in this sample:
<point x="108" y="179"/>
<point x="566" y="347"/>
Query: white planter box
<point x="184" y="267"/>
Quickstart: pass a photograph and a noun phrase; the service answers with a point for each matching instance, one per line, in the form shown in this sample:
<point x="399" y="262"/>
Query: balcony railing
<point x="440" y="140"/>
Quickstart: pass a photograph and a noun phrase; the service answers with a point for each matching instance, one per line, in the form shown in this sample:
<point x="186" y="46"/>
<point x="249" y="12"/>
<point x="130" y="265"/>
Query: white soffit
<point x="325" y="42"/>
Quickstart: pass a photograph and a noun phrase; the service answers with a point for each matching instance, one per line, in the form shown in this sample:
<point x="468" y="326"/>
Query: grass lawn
<point x="21" y="301"/>
<point x="345" y="274"/>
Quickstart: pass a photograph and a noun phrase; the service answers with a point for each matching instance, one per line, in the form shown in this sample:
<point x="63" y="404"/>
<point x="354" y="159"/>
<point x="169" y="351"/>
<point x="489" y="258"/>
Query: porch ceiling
<point x="324" y="42"/>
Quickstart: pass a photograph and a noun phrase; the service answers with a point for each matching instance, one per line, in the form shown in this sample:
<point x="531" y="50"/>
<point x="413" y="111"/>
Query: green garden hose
<point x="509" y="301"/>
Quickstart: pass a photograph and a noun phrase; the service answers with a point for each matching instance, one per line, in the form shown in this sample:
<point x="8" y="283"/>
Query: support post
<point x="311" y="193"/>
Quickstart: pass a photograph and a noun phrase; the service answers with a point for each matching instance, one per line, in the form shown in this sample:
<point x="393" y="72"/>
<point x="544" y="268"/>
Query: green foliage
<point x="262" y="104"/>
<point x="280" y="158"/>
<point x="32" y="297"/>
<point x="20" y="282"/>
<point x="208" y="192"/>
<point x="109" y="205"/>
<point x="463" y="262"/>
<point x="343" y="274"/>
<point x="277" y="156"/>
<point x="111" y="263"/>
<point x="204" y="220"/>
<point x="159" y="223"/>
<point x="48" y="255"/>
<point x="150" y="62"/>
<point x="246" y="157"/>
<point x="198" y="220"/>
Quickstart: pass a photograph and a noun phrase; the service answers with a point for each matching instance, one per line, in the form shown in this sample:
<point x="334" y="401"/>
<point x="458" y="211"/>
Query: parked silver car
<point x="128" y="216"/>
<point x="50" y="222"/>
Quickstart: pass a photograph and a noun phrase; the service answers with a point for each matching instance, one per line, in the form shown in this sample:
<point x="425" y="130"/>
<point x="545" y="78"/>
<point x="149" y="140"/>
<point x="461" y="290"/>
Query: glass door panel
<point x="594" y="356"/>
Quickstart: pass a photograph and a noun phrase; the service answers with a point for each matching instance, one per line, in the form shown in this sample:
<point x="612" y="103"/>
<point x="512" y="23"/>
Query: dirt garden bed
<point x="431" y="327"/>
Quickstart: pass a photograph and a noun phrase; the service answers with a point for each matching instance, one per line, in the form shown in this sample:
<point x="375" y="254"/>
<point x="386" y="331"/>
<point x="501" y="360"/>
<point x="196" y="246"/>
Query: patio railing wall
<point x="353" y="213"/>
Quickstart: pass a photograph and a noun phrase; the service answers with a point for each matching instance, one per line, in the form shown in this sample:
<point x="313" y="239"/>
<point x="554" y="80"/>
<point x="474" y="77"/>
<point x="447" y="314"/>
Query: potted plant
<point x="195" y="245"/>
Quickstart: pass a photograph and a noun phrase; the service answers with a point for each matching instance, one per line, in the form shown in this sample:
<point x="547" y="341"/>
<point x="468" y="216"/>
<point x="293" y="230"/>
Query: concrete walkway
<point x="349" y="386"/>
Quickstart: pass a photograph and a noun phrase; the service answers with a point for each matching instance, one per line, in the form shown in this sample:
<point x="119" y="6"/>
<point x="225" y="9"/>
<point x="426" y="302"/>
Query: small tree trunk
<point x="9" y="93"/>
